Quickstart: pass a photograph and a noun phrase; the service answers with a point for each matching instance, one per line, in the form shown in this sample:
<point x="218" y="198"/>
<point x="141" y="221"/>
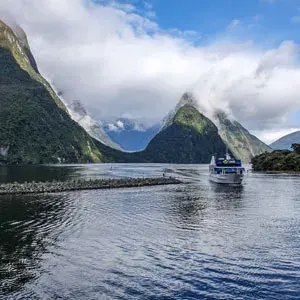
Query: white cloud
<point x="271" y="136"/>
<point x="120" y="124"/>
<point x="118" y="62"/>
<point x="234" y="23"/>
<point x="149" y="11"/>
<point x="151" y="14"/>
<point x="112" y="127"/>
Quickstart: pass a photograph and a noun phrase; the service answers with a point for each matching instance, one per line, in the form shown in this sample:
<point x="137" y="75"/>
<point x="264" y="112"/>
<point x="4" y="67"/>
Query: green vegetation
<point x="19" y="47"/>
<point x="36" y="127"/>
<point x="189" y="138"/>
<point x="279" y="160"/>
<point x="240" y="141"/>
<point x="33" y="128"/>
<point x="189" y="116"/>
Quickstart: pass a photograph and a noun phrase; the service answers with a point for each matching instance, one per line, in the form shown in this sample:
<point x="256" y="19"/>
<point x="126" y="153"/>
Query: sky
<point x="136" y="58"/>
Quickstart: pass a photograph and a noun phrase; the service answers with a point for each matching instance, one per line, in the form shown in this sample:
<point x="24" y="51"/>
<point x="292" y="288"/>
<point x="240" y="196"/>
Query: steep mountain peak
<point x="189" y="137"/>
<point x="16" y="42"/>
<point x="241" y="143"/>
<point x="189" y="116"/>
<point x="34" y="129"/>
<point x="22" y="37"/>
<point x="187" y="98"/>
<point x="239" y="140"/>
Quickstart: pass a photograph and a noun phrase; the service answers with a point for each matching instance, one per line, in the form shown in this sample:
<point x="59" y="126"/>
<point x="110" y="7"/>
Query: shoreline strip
<point x="76" y="185"/>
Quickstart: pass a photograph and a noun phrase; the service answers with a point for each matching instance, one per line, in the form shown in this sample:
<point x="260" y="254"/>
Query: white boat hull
<point x="226" y="178"/>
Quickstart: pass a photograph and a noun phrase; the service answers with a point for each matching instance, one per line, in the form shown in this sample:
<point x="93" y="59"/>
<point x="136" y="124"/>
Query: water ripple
<point x="192" y="241"/>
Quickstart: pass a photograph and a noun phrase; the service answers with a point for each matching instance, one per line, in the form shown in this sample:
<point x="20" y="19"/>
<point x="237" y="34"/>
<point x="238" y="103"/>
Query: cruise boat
<point x="226" y="170"/>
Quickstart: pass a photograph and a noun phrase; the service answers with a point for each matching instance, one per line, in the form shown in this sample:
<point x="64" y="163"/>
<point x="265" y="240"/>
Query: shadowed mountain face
<point x="239" y="140"/>
<point x="35" y="125"/>
<point x="187" y="137"/>
<point x="183" y="128"/>
<point x="285" y="142"/>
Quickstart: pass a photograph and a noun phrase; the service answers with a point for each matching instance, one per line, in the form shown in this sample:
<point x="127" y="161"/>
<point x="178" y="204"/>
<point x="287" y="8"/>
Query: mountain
<point x="239" y="140"/>
<point x="130" y="134"/>
<point x="35" y="124"/>
<point x="186" y="137"/>
<point x="93" y="128"/>
<point x="16" y="42"/>
<point x="286" y="141"/>
<point x="186" y="99"/>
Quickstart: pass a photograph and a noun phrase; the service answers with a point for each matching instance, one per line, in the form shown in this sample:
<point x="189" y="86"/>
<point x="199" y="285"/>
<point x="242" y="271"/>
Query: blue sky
<point x="267" y="22"/>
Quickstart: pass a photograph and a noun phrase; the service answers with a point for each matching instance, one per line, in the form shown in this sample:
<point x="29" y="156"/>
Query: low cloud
<point x="117" y="62"/>
<point x="270" y="136"/>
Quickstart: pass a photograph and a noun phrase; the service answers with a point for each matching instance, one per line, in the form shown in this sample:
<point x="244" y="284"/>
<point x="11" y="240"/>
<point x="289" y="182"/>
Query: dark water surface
<point x="196" y="240"/>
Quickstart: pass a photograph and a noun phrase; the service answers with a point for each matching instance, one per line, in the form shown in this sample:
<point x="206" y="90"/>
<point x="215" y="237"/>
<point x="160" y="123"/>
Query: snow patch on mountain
<point x="132" y="134"/>
<point x="94" y="128"/>
<point x="126" y="124"/>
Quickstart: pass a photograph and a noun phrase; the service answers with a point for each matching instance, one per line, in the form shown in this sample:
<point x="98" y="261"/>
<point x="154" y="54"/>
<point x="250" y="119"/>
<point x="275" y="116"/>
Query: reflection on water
<point x="33" y="173"/>
<point x="197" y="240"/>
<point x="26" y="224"/>
<point x="227" y="196"/>
<point x="187" y="206"/>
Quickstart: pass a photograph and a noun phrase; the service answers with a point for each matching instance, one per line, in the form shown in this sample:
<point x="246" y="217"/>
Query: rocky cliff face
<point x="239" y="140"/>
<point x="35" y="126"/>
<point x="92" y="127"/>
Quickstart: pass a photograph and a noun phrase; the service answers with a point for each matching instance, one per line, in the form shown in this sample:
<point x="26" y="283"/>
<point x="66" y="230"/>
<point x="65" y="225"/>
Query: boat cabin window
<point x="229" y="170"/>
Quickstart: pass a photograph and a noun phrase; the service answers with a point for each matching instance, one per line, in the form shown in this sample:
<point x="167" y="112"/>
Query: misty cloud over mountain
<point x="118" y="62"/>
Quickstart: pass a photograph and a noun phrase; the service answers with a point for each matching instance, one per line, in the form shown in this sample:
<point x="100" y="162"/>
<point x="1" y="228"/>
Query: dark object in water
<point x="74" y="185"/>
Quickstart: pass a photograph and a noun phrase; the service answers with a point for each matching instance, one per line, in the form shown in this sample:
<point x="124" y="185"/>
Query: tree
<point x="296" y="148"/>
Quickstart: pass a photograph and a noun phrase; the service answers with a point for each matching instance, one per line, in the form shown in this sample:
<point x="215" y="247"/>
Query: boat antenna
<point x="227" y="154"/>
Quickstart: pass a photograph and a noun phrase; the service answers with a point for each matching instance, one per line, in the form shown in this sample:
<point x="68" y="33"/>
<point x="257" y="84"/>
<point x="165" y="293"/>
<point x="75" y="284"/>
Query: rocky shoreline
<point x="75" y="185"/>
